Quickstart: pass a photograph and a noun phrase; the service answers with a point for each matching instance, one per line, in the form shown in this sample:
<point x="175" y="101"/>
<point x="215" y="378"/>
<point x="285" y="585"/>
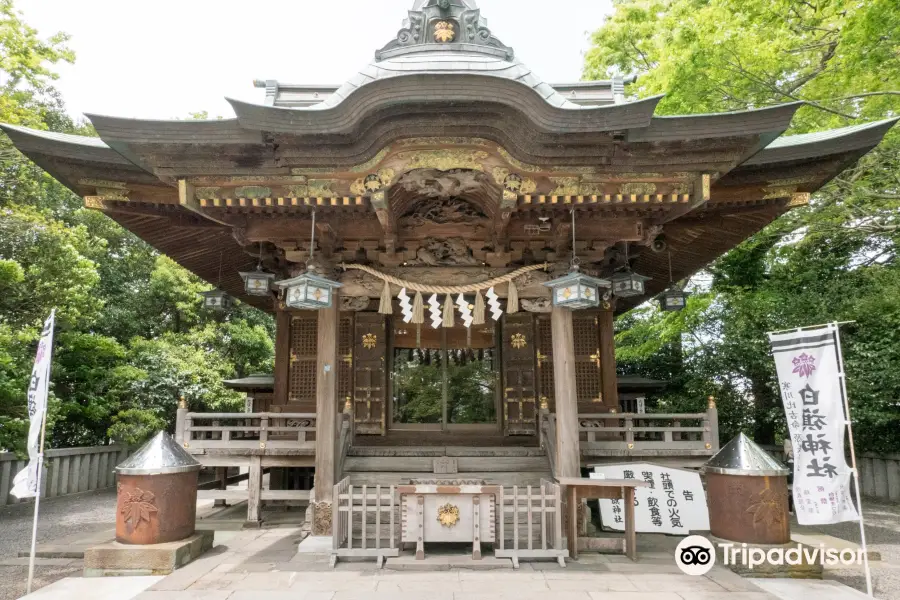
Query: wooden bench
<point x="579" y="488"/>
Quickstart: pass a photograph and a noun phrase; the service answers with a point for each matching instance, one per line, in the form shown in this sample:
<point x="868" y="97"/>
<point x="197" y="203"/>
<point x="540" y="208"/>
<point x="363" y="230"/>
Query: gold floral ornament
<point x="137" y="508"/>
<point x="444" y="32"/>
<point x="518" y="341"/>
<point x="369" y="341"/>
<point x="768" y="509"/>
<point x="448" y="515"/>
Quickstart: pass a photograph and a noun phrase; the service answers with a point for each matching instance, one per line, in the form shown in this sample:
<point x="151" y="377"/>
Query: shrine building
<point x="444" y="240"/>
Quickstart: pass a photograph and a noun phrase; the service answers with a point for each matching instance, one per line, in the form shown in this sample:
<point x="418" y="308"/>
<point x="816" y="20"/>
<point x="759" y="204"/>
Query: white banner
<point x="25" y="484"/>
<point x="809" y="375"/>
<point x="674" y="503"/>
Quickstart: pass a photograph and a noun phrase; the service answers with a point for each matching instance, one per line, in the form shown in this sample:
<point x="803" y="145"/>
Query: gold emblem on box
<point x="448" y="515"/>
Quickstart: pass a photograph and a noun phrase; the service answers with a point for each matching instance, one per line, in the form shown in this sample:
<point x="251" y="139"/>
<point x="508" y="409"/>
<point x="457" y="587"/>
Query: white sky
<point x="166" y="58"/>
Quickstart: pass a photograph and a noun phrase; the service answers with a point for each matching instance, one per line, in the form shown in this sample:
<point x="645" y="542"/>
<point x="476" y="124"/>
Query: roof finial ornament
<point x="456" y="25"/>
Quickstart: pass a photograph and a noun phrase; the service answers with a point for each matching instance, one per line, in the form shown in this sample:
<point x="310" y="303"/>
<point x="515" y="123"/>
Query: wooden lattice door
<point x="369" y="374"/>
<point x="302" y="380"/>
<point x="544" y="359"/>
<point x="586" y="333"/>
<point x="519" y="390"/>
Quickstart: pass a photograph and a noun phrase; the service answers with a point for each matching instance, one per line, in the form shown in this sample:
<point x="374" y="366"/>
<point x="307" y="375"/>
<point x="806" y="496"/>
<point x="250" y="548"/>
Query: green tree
<point x="131" y="332"/>
<point x="836" y="259"/>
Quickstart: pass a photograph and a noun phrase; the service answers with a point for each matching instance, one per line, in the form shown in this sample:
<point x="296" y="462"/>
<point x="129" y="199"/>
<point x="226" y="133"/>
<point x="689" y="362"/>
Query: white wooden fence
<point x="879" y="476"/>
<point x="536" y="524"/>
<point x="374" y="509"/>
<point x="366" y="522"/>
<point x="66" y="471"/>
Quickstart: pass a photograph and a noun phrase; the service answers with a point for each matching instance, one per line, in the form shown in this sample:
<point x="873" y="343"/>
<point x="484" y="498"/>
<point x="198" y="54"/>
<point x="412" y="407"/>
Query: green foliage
<point x="131" y="332"/>
<point x="833" y="261"/>
<point x="134" y="426"/>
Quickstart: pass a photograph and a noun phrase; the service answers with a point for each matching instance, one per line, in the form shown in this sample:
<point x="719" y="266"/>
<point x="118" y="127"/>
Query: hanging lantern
<point x="627" y="284"/>
<point x="257" y="283"/>
<point x="308" y="291"/>
<point x="674" y="299"/>
<point x="216" y="300"/>
<point x="576" y="290"/>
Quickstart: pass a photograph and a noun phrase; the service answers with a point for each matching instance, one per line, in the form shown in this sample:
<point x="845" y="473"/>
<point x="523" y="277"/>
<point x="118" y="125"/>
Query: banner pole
<point x="862" y="528"/>
<point x="37" y="504"/>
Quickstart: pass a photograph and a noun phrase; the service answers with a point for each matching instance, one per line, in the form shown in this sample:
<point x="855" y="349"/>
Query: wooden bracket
<point x="188" y="199"/>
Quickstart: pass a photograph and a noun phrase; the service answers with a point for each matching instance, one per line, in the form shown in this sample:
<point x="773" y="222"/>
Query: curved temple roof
<point x="445" y="96"/>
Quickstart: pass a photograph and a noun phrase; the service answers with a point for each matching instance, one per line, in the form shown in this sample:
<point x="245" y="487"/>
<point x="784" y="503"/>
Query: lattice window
<point x="586" y="332"/>
<point x="587" y="382"/>
<point x="304" y="334"/>
<point x="587" y="335"/>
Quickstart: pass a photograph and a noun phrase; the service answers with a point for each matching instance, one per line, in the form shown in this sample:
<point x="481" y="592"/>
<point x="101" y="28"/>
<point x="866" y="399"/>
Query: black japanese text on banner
<point x="809" y="378"/>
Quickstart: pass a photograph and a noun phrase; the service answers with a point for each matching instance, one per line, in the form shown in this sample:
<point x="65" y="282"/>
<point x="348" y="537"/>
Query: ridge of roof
<point x="65" y="138"/>
<point x="827" y="134"/>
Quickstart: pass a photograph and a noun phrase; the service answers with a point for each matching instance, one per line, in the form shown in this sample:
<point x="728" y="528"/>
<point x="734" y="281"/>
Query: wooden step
<point x="436" y="451"/>
<point x="504" y="478"/>
<point x="465" y="464"/>
<point x="241" y="495"/>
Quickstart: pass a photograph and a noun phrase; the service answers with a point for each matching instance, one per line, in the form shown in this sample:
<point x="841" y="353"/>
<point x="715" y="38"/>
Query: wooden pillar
<point x="282" y="357"/>
<point x="254" y="489"/>
<point x="609" y="381"/>
<point x="222" y="477"/>
<point x="326" y="415"/>
<point x="568" y="458"/>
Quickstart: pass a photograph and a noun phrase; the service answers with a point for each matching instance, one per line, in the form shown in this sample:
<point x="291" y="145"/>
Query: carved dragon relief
<point x="439" y="211"/>
<point x="444" y="252"/>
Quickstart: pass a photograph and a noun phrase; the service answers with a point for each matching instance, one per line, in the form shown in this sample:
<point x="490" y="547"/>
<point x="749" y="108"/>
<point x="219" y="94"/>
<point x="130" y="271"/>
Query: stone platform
<point x="114" y="559"/>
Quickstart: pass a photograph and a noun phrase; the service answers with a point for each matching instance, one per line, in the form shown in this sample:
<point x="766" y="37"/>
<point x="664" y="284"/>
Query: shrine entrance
<point x="444" y="379"/>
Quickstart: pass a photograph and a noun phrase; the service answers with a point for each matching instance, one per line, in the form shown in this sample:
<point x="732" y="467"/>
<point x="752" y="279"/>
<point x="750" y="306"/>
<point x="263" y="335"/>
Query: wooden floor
<point x="447" y="438"/>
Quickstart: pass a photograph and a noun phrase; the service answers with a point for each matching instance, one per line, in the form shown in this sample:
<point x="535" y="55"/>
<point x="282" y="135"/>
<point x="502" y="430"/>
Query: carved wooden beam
<point x="700" y="192"/>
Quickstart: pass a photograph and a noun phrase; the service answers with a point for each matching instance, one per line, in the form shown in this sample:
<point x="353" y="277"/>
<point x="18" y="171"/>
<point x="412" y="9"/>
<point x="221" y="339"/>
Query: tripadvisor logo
<point x="696" y="555"/>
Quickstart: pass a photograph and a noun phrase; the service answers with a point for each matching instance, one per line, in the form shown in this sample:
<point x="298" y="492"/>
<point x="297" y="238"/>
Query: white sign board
<point x="674" y="503"/>
<point x="809" y="375"/>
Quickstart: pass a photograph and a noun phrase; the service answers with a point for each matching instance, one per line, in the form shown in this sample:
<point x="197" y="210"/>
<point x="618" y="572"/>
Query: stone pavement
<point x="264" y="565"/>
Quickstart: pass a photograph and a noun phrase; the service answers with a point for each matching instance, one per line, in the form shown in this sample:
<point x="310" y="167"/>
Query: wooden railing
<point x="649" y="434"/>
<point x="548" y="438"/>
<point x="344" y="438"/>
<point x="66" y="471"/>
<point x="256" y="431"/>
<point x="531" y="508"/>
<point x="374" y="510"/>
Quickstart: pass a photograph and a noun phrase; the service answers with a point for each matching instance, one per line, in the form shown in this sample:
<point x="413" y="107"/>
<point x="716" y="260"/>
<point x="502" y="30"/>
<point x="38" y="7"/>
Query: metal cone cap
<point x="742" y="456"/>
<point x="159" y="456"/>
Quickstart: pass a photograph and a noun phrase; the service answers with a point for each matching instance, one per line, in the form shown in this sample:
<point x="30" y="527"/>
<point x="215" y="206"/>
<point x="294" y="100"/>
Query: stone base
<point x="321" y="518"/>
<point x="803" y="570"/>
<point x="117" y="560"/>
